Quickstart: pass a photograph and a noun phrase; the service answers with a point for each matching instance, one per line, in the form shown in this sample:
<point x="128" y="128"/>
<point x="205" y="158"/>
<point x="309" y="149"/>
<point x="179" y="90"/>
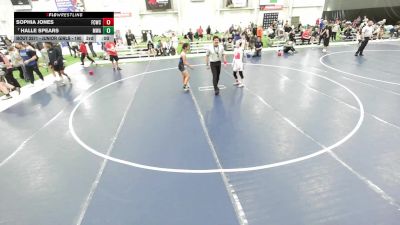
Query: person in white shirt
<point x="17" y="62"/>
<point x="215" y="54"/>
<point x="175" y="41"/>
<point x="237" y="64"/>
<point x="335" y="29"/>
<point x="366" y="34"/>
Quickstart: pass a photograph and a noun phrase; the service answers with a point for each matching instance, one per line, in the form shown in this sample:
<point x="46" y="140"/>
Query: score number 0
<point x="108" y="24"/>
<point x="108" y="21"/>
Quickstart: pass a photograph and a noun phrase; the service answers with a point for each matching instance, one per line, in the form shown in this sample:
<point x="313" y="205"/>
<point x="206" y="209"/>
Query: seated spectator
<point x="6" y="87"/>
<point x="280" y="32"/>
<point x="159" y="48"/>
<point x="190" y="35"/>
<point x="150" y="48"/>
<point x="347" y="32"/>
<point x="228" y="46"/>
<point x="75" y="49"/>
<point x="287" y="28"/>
<point x="306" y="36"/>
<point x="252" y="43"/>
<point x="270" y="32"/>
<point x="236" y="37"/>
<point x="292" y="36"/>
<point x="394" y="31"/>
<point x="258" y="47"/>
<point x="381" y="32"/>
<point x="288" y="46"/>
<point x="7" y="68"/>
<point x="315" y="35"/>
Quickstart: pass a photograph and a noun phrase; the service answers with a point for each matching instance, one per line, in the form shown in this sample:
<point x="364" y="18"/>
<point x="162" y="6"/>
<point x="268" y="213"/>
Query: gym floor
<point x="313" y="138"/>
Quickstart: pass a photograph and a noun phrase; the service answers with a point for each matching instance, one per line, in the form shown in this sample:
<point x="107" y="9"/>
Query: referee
<point x="366" y="34"/>
<point x="213" y="59"/>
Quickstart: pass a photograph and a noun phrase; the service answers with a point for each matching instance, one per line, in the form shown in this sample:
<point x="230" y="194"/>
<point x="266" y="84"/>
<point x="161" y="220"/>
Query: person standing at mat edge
<point x="215" y="53"/>
<point x="183" y="63"/>
<point x="112" y="53"/>
<point x="366" y="34"/>
<point x="84" y="53"/>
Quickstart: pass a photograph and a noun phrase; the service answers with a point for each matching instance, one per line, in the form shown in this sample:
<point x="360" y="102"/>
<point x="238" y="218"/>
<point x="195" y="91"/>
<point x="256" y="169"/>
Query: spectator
<point x="150" y="48"/>
<point x="258" y="47"/>
<point x="231" y="29"/>
<point x="6" y="87"/>
<point x="299" y="27"/>
<point x="190" y="35"/>
<point x="7" y="68"/>
<point x="159" y="48"/>
<point x="252" y="43"/>
<point x="175" y="41"/>
<point x="149" y="36"/>
<point x="270" y="32"/>
<point x="90" y="44"/>
<point x="30" y="60"/>
<point x="292" y="36"/>
<point x="394" y="31"/>
<point x="381" y="32"/>
<point x="315" y="35"/>
<point x="112" y="52"/>
<point x="17" y="62"/>
<point x="306" y="36"/>
<point x="228" y="45"/>
<point x="200" y="32"/>
<point x="56" y="61"/>
<point x="260" y="32"/>
<point x="347" y="32"/>
<point x="75" y="48"/>
<point x="208" y="30"/>
<point x="236" y="37"/>
<point x="84" y="53"/>
<point x="287" y="29"/>
<point x="129" y="38"/>
<point x="335" y="30"/>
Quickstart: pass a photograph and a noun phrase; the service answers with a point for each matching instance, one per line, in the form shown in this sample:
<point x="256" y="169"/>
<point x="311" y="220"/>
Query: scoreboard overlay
<point x="63" y="26"/>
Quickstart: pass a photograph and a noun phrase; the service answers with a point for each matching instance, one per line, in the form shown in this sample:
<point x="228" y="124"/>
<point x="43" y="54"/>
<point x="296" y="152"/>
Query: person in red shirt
<point x="112" y="52"/>
<point x="84" y="53"/>
<point x="306" y="36"/>
<point x="200" y="32"/>
<point x="260" y="32"/>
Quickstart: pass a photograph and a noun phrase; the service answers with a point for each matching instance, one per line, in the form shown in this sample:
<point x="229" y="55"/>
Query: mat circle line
<point x="355" y="75"/>
<point x="227" y="170"/>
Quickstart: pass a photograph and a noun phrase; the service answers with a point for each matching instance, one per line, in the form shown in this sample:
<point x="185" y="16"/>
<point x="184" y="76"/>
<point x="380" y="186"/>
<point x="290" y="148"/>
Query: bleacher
<point x="197" y="47"/>
<point x="137" y="51"/>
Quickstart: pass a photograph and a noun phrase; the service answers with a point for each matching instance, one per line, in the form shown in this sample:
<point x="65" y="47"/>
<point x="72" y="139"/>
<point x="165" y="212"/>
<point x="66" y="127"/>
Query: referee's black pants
<point x="362" y="46"/>
<point x="215" y="70"/>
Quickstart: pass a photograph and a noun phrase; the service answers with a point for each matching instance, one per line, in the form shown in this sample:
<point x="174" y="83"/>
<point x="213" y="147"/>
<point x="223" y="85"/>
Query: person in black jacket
<point x="56" y="61"/>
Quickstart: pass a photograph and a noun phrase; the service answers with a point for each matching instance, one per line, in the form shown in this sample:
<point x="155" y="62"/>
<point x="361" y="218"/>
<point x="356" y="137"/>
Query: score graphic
<point x="59" y="26"/>
<point x="108" y="25"/>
